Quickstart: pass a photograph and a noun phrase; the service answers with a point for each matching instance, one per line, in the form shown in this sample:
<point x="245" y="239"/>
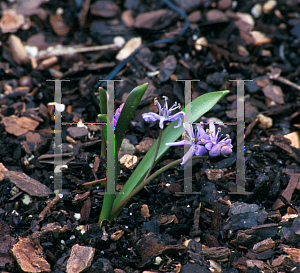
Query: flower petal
<point x="161" y="122"/>
<point x="226" y="150"/>
<point x="188" y="155"/>
<point x="212" y="128"/>
<point x="200" y="150"/>
<point x="215" y="150"/>
<point x="208" y="145"/>
<point x="178" y="143"/>
<point x="189" y="129"/>
<point x="150" y="116"/>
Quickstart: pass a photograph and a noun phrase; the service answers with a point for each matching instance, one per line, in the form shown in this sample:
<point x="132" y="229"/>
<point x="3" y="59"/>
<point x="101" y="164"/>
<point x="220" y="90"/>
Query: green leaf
<point x="127" y="113"/>
<point x="103" y="100"/>
<point x="200" y="106"/>
<point x="103" y="118"/>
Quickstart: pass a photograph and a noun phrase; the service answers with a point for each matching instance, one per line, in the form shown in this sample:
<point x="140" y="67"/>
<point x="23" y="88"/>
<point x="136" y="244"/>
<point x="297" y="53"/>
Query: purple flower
<point x="164" y="114"/>
<point x="214" y="145"/>
<point x="197" y="140"/>
<point x="117" y="114"/>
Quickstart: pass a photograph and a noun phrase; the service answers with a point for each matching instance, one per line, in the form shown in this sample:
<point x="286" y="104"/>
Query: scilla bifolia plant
<point x="200" y="141"/>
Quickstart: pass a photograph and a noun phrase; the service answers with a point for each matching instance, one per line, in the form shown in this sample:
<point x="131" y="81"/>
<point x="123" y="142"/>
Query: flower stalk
<point x="145" y="182"/>
<point x="112" y="205"/>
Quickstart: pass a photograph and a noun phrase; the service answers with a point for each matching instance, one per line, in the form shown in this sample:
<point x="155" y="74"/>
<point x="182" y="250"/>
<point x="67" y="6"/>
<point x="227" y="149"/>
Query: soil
<point x="221" y="229"/>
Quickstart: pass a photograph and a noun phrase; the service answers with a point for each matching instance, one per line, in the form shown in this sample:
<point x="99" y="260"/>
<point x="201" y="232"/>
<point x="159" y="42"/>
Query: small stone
<point x="200" y="42"/>
<point x="265" y="122"/>
<point x="78" y="132"/>
<point x="268" y="6"/>
<point x="127" y="147"/>
<point x="129" y="160"/>
<point x="256" y="10"/>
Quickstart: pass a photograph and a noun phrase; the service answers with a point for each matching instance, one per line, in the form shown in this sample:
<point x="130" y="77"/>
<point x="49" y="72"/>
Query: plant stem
<point x="145" y="182"/>
<point x="109" y="198"/>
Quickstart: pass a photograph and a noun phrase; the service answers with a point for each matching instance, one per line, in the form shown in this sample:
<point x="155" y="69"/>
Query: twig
<point x="275" y="75"/>
<point x="68" y="50"/>
<point x="43" y="213"/>
<point x="46" y="210"/>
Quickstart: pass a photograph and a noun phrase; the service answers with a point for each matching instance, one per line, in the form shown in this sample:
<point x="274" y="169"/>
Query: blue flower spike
<point x="117" y="114"/>
<point x="215" y="146"/>
<point x="164" y="114"/>
<point x="195" y="139"/>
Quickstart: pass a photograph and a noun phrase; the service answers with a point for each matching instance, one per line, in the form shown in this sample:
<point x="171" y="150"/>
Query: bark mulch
<point x="220" y="229"/>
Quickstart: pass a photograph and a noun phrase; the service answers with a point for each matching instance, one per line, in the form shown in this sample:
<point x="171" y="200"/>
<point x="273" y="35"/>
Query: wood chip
<point x="81" y="258"/>
<point x="11" y="21"/>
<point x="19" y="126"/>
<point x="263" y="245"/>
<point x="18" y="51"/>
<point x="145" y="145"/>
<point x="106" y="9"/>
<point x="117" y="235"/>
<point x="58" y="25"/>
<point x="293" y="252"/>
<point x="288" y="192"/>
<point x="28" y="258"/>
<point x="148" y="20"/>
<point x="213" y="175"/>
<point x="273" y="92"/>
<point x="287" y="148"/>
<point x="27" y="184"/>
<point x="294" y="138"/>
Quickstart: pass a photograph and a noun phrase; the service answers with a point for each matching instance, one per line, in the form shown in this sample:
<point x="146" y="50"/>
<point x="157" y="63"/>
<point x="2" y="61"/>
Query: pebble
<point x="78" y="132"/>
<point x="127" y="147"/>
<point x="268" y="6"/>
<point x="265" y="122"/>
<point x="256" y="10"/>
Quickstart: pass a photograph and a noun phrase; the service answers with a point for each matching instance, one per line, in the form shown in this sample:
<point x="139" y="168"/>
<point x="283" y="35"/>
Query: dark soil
<point x="218" y="230"/>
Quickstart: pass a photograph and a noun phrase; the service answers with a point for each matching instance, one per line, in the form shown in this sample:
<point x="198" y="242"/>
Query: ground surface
<point x="158" y="230"/>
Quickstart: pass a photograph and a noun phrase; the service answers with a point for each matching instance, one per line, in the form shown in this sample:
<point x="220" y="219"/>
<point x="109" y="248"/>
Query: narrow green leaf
<point x="127" y="113"/>
<point x="103" y="118"/>
<point x="103" y="110"/>
<point x="103" y="101"/>
<point x="200" y="106"/>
